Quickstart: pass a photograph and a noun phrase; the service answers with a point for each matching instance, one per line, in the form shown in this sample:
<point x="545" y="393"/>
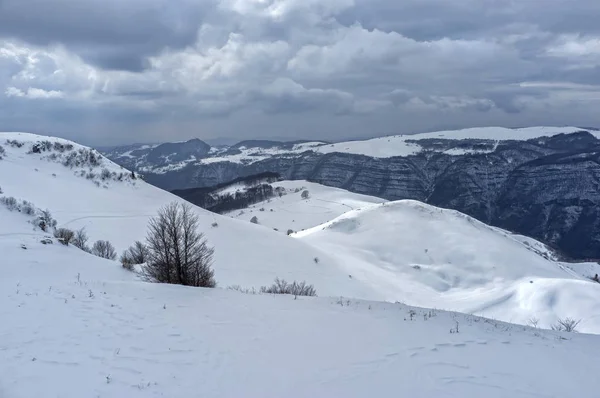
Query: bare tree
<point x="566" y="325"/>
<point x="64" y="235"/>
<point x="136" y="254"/>
<point x="80" y="240"/>
<point x="178" y="252"/>
<point x="104" y="249"/>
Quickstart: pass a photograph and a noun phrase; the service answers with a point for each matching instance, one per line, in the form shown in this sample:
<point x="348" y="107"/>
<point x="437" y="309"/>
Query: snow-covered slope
<point x="74" y="326"/>
<point x="431" y="257"/>
<point x="397" y="145"/>
<point x="118" y="211"/>
<point x="291" y="211"/>
<point x="400" y="145"/>
<point x="402" y="251"/>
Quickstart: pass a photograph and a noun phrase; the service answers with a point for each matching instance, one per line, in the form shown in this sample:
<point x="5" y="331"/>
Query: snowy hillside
<point x="402" y="251"/>
<point x="118" y="211"/>
<point x="431" y="257"/>
<point x="390" y="146"/>
<point x="404" y="145"/>
<point x="74" y="326"/>
<point x="292" y="211"/>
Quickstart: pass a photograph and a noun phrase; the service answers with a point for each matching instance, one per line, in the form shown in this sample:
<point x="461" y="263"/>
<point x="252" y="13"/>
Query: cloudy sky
<point x="119" y="71"/>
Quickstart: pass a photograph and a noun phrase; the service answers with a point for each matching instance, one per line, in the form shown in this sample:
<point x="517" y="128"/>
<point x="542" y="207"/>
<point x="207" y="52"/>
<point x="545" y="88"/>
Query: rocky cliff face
<point x="547" y="188"/>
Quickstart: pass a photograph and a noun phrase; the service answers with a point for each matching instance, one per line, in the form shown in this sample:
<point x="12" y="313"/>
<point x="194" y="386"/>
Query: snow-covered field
<point x="291" y="211"/>
<point x="78" y="326"/>
<point x="75" y="325"/>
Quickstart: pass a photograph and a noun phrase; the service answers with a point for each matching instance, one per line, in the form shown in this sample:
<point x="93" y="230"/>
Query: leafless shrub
<point x="27" y="208"/>
<point x="254" y="220"/>
<point x="533" y="322"/>
<point x="80" y="240"/>
<point x="45" y="221"/>
<point x="10" y="202"/>
<point x="245" y="290"/>
<point x="14" y="143"/>
<point x="296" y="288"/>
<point x="566" y="325"/>
<point x="104" y="249"/>
<point x="2" y="152"/>
<point x="135" y="254"/>
<point x="105" y="174"/>
<point x="64" y="235"/>
<point x="178" y="252"/>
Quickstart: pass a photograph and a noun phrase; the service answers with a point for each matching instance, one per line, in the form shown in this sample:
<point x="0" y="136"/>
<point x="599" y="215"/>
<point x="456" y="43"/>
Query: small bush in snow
<point x="64" y="235"/>
<point x="9" y="202"/>
<point x="80" y="240"/>
<point x="246" y="290"/>
<point x="296" y="288"/>
<point x="2" y="152"/>
<point x="305" y="194"/>
<point x="45" y="221"/>
<point x="290" y="231"/>
<point x="566" y="325"/>
<point x="104" y="249"/>
<point x="27" y="208"/>
<point x="254" y="220"/>
<point x="136" y="254"/>
<point x="105" y="174"/>
<point x="62" y="147"/>
<point x="214" y="225"/>
<point x="14" y="143"/>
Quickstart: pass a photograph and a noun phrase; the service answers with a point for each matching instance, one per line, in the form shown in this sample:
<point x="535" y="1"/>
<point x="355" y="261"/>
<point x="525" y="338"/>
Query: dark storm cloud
<point x="113" y="34"/>
<point x="124" y="70"/>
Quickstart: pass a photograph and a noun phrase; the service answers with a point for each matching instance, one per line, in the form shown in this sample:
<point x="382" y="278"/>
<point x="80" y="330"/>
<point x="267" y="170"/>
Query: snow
<point x="78" y="326"/>
<point x="397" y="145"/>
<point x="245" y="254"/>
<point x="438" y="258"/>
<point x="290" y="211"/>
<point x="463" y="265"/>
<point x="75" y="325"/>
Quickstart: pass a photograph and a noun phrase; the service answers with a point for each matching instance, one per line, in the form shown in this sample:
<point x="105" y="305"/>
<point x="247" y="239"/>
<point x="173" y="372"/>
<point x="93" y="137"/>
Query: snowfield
<point x="438" y="258"/>
<point x="291" y="211"/>
<point x="75" y="325"/>
<point x="390" y="146"/>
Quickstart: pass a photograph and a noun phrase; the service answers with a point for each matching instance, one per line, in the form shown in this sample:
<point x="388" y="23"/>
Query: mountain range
<point x="542" y="182"/>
